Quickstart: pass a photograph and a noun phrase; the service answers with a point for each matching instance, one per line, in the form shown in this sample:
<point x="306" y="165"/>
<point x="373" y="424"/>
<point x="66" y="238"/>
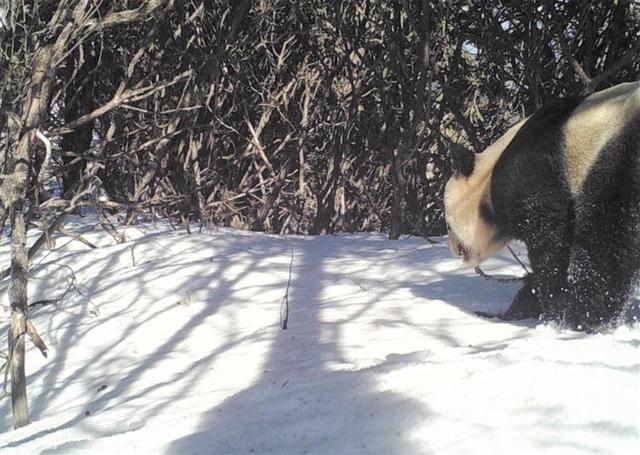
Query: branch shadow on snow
<point x="112" y="366"/>
<point x="308" y="393"/>
<point x="302" y="404"/>
<point x="316" y="407"/>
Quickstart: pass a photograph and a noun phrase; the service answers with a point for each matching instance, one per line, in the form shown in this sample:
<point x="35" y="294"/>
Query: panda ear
<point x="463" y="160"/>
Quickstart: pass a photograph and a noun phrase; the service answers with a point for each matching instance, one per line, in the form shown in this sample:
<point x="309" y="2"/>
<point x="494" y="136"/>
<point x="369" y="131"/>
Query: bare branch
<point x="118" y="99"/>
<point x="128" y="16"/>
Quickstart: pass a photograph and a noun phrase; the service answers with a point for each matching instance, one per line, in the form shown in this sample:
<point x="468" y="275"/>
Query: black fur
<point x="463" y="160"/>
<point x="605" y="253"/>
<point x="526" y="304"/>
<point x="487" y="213"/>
<point x="585" y="250"/>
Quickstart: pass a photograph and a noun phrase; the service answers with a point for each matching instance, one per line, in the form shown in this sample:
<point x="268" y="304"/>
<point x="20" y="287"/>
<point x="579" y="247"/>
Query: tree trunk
<point x="19" y="315"/>
<point x="399" y="187"/>
<point x="13" y="195"/>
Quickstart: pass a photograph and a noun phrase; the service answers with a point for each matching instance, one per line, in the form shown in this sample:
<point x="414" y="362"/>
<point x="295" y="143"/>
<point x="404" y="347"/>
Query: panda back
<point x="594" y="123"/>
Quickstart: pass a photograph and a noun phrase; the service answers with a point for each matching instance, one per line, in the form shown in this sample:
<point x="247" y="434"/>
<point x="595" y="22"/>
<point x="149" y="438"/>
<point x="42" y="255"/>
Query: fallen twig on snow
<point x="488" y="277"/>
<point x="284" y="306"/>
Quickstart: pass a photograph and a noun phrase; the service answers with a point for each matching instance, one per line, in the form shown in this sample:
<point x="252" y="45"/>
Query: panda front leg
<point x="598" y="294"/>
<point x="605" y="255"/>
<point x="544" y="294"/>
<point x="526" y="304"/>
<point x="547" y="235"/>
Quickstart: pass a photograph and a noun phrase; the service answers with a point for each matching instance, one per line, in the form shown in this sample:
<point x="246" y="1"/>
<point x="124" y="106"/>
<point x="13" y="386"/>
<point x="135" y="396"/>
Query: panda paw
<point x="525" y="305"/>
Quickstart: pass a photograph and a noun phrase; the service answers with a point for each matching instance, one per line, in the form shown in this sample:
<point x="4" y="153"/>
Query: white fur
<point x="592" y="125"/>
<point x="462" y="199"/>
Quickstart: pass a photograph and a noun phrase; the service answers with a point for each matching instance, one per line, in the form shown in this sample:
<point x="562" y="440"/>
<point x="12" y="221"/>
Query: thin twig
<point x="497" y="279"/>
<point x="284" y="306"/>
<point x="72" y="285"/>
<point x="37" y="244"/>
<point x="517" y="258"/>
<point x="121" y="96"/>
<point x="488" y="277"/>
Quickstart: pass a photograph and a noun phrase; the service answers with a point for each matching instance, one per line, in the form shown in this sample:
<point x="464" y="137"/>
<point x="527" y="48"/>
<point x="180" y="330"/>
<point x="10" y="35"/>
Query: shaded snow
<point x="182" y="353"/>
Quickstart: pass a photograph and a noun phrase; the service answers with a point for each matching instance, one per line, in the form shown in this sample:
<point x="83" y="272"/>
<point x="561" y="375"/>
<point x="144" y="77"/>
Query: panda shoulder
<point x="620" y="100"/>
<point x="597" y="120"/>
<point x="632" y="105"/>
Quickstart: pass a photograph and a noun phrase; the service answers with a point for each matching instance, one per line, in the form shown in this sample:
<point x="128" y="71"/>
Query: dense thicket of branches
<point x="296" y="116"/>
<point x="290" y="116"/>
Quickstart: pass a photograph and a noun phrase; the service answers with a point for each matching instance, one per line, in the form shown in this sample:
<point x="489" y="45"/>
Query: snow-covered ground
<point x="173" y="345"/>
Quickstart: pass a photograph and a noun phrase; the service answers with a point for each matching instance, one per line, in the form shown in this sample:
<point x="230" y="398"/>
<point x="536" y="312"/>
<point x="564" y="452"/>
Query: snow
<point x="173" y="345"/>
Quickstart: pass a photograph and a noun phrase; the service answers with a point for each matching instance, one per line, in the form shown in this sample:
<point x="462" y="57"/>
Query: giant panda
<point x="566" y="182"/>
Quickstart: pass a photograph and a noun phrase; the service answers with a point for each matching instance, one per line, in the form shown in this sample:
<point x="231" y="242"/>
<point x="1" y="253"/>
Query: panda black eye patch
<point x="487" y="213"/>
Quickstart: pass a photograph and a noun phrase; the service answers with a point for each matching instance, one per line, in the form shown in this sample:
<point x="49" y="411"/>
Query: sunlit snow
<point x="174" y="345"/>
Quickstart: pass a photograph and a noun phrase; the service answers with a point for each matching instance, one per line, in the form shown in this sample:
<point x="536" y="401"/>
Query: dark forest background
<point x="286" y="116"/>
<point x="283" y="116"/>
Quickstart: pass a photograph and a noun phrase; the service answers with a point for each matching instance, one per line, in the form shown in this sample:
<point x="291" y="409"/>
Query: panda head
<point x="471" y="223"/>
<point x="468" y="213"/>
